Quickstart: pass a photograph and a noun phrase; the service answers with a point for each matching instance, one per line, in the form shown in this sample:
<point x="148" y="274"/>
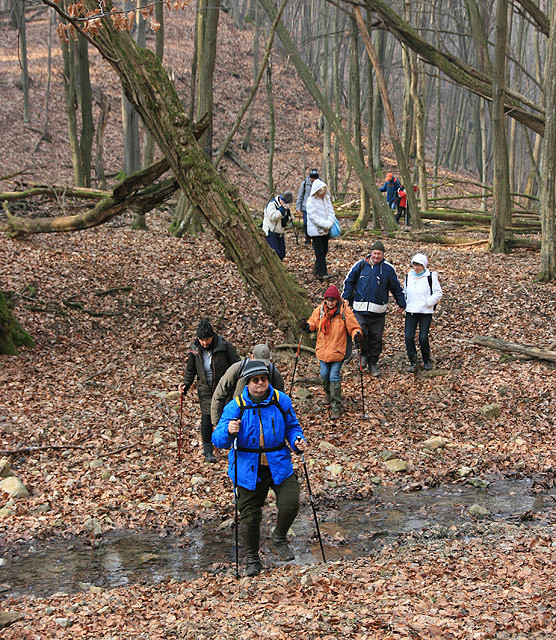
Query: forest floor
<point x="92" y="408"/>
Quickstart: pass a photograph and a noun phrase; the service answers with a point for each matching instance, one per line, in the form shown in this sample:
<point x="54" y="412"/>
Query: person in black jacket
<point x="210" y="355"/>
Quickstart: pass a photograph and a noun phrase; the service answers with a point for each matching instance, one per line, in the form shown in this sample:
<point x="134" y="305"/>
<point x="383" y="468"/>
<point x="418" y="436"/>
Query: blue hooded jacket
<point x="367" y="285"/>
<point x="391" y="187"/>
<point x="278" y="426"/>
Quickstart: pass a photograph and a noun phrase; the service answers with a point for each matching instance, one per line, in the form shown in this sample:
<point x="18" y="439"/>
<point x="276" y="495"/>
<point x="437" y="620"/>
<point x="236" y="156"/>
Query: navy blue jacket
<point x="278" y="427"/>
<point x="391" y="187"/>
<point x="367" y="285"/>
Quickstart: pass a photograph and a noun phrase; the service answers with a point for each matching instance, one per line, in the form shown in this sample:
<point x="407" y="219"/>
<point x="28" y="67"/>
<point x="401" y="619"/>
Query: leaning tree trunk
<point x="151" y="92"/>
<point x="12" y="335"/>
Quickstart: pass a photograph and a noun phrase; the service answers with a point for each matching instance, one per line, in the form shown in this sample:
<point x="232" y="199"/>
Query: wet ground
<point x="348" y="529"/>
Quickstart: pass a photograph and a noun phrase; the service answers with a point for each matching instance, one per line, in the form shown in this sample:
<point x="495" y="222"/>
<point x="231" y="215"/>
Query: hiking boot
<point x="281" y="547"/>
<point x="327" y="399"/>
<point x="364" y="361"/>
<point x="427" y="366"/>
<point x="373" y="369"/>
<point x="208" y="452"/>
<point x="252" y="569"/>
<point x="412" y="366"/>
<point x="251" y="536"/>
<point x="336" y="395"/>
<point x="327" y="276"/>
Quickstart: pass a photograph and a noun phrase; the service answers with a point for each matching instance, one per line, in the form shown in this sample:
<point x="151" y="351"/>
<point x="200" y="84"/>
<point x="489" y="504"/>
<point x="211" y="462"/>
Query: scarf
<point x="327" y="318"/>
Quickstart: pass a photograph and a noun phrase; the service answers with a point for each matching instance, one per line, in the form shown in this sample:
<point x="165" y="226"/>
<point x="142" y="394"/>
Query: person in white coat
<point x="320" y="218"/>
<point x="422" y="293"/>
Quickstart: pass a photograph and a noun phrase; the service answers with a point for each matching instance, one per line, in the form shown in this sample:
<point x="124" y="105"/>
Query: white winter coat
<point x="417" y="292"/>
<point x="272" y="220"/>
<point x="320" y="214"/>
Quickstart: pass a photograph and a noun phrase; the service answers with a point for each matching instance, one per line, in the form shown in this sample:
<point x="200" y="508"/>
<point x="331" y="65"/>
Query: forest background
<point x="88" y="419"/>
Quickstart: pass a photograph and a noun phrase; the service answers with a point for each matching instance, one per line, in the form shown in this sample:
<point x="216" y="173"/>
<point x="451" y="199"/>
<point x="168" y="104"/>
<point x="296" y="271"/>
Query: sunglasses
<point x="258" y="379"/>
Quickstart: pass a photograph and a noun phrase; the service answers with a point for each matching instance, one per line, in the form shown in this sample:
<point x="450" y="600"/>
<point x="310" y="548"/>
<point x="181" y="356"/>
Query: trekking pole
<point x="295" y="365"/>
<point x="361" y="376"/>
<point x="181" y="416"/>
<point x="312" y="505"/>
<point x="236" y="518"/>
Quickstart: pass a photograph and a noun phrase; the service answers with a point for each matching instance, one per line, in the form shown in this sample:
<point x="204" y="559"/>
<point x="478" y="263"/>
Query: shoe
<point x="374" y="370"/>
<point x="427" y="366"/>
<point x="336" y="395"/>
<point x="412" y="367"/>
<point x="252" y="568"/>
<point x="364" y="362"/>
<point x="207" y="451"/>
<point x="308" y="241"/>
<point x="280" y="545"/>
<point x="327" y="276"/>
<point x="336" y="413"/>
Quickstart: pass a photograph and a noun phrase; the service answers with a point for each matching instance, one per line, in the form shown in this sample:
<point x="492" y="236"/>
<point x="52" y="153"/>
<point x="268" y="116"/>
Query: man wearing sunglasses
<point x="267" y="430"/>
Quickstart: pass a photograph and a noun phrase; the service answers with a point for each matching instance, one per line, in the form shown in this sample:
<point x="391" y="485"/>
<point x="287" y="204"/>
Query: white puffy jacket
<point x="320" y="214"/>
<point x="417" y="292"/>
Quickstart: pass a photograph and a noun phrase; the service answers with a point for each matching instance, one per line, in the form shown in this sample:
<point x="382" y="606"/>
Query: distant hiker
<point x="301" y="202"/>
<point x="403" y="208"/>
<point x="391" y="187"/>
<point x="422" y="293"/>
<point x="366" y="288"/>
<point x="333" y="320"/>
<point x="276" y="217"/>
<point x="320" y="218"/>
<point x="209" y="358"/>
<point x="232" y="382"/>
<point x="266" y="427"/>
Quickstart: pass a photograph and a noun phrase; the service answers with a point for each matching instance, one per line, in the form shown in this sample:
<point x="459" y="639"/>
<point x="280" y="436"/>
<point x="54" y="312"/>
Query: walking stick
<point x="181" y="416"/>
<point x="313" y="505"/>
<point x="235" y="506"/>
<point x="361" y="376"/>
<point x="295" y="365"/>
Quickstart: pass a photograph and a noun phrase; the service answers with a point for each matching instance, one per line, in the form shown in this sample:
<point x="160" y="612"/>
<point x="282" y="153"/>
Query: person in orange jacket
<point x="333" y="320"/>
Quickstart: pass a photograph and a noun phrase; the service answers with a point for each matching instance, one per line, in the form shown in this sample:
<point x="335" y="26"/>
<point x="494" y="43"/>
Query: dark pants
<point x="320" y="245"/>
<point x="250" y="503"/>
<point x="206" y="429"/>
<point x="372" y="326"/>
<point x="307" y="237"/>
<point x="403" y="211"/>
<point x="411" y="321"/>
<point x="276" y="241"/>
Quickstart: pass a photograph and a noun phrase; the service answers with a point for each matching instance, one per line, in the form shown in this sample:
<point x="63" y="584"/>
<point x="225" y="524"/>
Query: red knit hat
<point x="332" y="292"/>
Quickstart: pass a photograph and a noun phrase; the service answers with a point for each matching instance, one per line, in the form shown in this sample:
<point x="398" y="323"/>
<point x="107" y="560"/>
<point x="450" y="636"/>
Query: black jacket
<point x="224" y="354"/>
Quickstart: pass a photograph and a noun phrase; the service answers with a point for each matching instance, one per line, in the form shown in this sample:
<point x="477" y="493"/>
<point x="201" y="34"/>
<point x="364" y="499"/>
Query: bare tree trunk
<point x="272" y="125"/>
<point x="86" y="104"/>
<point x="12" y="335"/>
<point x="103" y="103"/>
<point x="548" y="199"/>
<point x="19" y="17"/>
<point x="149" y="145"/>
<point x="420" y="135"/>
<point x="250" y="123"/>
<point x="501" y="217"/>
<point x="378" y="107"/>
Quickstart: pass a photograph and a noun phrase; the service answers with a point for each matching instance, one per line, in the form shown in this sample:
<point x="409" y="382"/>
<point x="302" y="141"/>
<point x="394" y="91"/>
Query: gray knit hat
<point x="287" y="197"/>
<point x="254" y="368"/>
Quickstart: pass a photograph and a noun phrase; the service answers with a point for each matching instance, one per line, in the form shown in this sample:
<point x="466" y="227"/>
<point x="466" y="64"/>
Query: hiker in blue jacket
<point x="391" y="187"/>
<point x="366" y="288"/>
<point x="266" y="427"/>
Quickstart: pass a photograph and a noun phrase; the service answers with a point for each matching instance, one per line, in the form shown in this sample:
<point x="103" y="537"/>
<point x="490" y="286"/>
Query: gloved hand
<point x="304" y="325"/>
<point x="358" y="337"/>
<point x="286" y="218"/>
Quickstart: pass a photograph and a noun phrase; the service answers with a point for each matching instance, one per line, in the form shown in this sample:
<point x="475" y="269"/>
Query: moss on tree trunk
<point x="12" y="335"/>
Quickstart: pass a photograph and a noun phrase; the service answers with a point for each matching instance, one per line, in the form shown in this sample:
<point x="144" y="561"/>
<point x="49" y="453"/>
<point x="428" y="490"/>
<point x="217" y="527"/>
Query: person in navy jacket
<point x="366" y="288"/>
<point x="391" y="187"/>
<point x="267" y="430"/>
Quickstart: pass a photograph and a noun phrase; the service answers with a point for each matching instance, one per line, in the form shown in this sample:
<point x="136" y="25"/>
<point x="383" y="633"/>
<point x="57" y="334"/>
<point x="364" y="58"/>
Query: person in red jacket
<point x="333" y="320"/>
<point x="403" y="209"/>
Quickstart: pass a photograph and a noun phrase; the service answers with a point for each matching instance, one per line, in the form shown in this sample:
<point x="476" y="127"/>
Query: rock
<point x="40" y="508"/>
<point x="171" y="395"/>
<point x="334" y="469"/>
<point x="306" y="580"/>
<point x="304" y="394"/>
<point x="490" y="411"/>
<point x="396" y="465"/>
<point x="65" y="623"/>
<point x="463" y="472"/>
<point x="478" y="511"/>
<point x="5" y="471"/>
<point x="477" y="482"/>
<point x="157" y="438"/>
<point x="14" y="487"/>
<point x="145" y="506"/>
<point x="208" y="504"/>
<point x="160" y="497"/>
<point x="196" y="479"/>
<point x="2" y="562"/>
<point x="93" y="526"/>
<point x="5" y="512"/>
<point x="94" y="589"/>
<point x="520" y="441"/>
<point x="144" y="477"/>
<point x="226" y="524"/>
<point x="386" y="455"/>
<point x="95" y="464"/>
<point x="376" y="480"/>
<point x="326" y="445"/>
<point x="9" y="617"/>
<point x="434" y="443"/>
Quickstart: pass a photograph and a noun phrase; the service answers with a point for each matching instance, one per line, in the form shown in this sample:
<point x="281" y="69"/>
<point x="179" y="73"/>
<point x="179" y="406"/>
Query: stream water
<point x="349" y="529"/>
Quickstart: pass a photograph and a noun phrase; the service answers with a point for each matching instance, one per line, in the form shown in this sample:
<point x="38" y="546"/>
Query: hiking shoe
<point x="336" y="413"/>
<point x="427" y="366"/>
<point x="281" y="547"/>
<point x="374" y="370"/>
<point x="327" y="400"/>
<point x="207" y="451"/>
<point x="412" y="367"/>
<point x="364" y="361"/>
<point x="253" y="569"/>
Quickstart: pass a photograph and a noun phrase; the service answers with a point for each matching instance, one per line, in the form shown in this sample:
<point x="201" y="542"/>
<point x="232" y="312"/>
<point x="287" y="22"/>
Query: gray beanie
<point x="254" y="368"/>
<point x="378" y="246"/>
<point x="287" y="197"/>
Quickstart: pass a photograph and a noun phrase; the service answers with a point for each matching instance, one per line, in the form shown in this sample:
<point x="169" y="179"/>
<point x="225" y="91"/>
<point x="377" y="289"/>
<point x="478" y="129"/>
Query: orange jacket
<point x="332" y="347"/>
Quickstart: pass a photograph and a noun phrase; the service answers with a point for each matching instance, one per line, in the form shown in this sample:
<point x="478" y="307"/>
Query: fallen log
<point x="513" y="347"/>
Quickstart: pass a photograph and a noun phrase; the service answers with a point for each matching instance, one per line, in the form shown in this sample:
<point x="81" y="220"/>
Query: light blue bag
<point x="335" y="229"/>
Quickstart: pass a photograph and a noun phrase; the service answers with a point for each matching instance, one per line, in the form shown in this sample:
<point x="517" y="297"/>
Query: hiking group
<point x="244" y="400"/>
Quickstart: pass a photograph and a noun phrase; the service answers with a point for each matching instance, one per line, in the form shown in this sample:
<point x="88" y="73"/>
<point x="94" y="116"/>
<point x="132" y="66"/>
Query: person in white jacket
<point x="320" y="218"/>
<point x="422" y="292"/>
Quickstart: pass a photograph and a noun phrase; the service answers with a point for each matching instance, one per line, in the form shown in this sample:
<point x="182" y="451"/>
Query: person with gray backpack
<point x="301" y="202"/>
<point x="422" y="292"/>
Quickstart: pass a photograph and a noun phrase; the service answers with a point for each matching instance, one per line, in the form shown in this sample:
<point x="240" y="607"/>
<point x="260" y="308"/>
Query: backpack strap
<point x="243" y="407"/>
<point x="429" y="278"/>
